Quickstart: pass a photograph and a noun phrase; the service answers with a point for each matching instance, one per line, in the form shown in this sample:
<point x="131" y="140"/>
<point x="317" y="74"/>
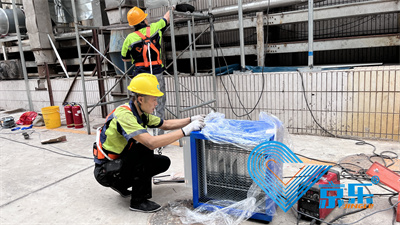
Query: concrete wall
<point x="362" y="102"/>
<point x="13" y="94"/>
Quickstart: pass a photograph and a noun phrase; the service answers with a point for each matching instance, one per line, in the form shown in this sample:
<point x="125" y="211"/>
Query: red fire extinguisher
<point x="68" y="115"/>
<point x="77" y="114"/>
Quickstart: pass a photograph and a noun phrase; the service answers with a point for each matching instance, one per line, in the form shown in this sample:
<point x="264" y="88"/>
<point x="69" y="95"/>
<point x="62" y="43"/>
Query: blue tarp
<point x="258" y="69"/>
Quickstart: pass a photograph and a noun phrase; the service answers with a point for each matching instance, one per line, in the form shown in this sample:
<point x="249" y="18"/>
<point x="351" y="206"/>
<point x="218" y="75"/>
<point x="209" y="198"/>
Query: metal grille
<point x="222" y="172"/>
<point x="335" y="28"/>
<point x="363" y="102"/>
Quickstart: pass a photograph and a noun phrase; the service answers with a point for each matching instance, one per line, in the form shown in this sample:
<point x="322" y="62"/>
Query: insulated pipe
<point x="253" y="6"/>
<point x="310" y="33"/>
<point x="241" y="36"/>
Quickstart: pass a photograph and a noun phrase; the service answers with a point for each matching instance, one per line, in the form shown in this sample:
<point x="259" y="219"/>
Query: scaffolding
<point x="102" y="101"/>
<point x="192" y="47"/>
<point x="194" y="31"/>
<point x="193" y="61"/>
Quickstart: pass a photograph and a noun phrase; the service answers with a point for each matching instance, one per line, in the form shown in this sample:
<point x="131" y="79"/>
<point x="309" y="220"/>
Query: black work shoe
<point x="123" y="192"/>
<point x="145" y="206"/>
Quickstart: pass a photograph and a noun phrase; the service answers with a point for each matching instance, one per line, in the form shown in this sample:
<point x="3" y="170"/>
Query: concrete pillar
<point x="38" y="25"/>
<point x="260" y="39"/>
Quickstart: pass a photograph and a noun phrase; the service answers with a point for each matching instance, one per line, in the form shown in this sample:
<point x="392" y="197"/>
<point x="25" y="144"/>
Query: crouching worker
<point x="123" y="150"/>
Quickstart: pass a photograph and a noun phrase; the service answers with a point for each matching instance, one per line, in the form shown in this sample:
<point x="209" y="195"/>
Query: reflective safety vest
<point x="98" y="151"/>
<point x="147" y="41"/>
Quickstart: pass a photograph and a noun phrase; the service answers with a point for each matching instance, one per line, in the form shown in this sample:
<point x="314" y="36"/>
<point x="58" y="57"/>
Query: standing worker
<point x="123" y="152"/>
<point x="143" y="48"/>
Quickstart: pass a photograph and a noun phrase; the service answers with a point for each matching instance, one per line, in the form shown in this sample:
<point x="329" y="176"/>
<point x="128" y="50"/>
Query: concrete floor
<point x="41" y="187"/>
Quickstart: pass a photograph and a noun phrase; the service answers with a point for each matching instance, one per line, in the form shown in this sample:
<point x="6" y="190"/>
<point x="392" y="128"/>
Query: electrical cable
<point x="366" y="216"/>
<point x="73" y="155"/>
<point x="229" y="100"/>
<point x="329" y="28"/>
<point x="358" y="141"/>
<point x="262" y="73"/>
<point x="233" y="85"/>
<point x="358" y="176"/>
<point x="352" y="212"/>
<point x="315" y="159"/>
<point x="394" y="208"/>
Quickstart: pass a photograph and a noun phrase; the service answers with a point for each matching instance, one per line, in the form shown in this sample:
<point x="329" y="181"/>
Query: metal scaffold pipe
<point x="252" y="7"/>
<point x="78" y="46"/>
<point x="21" y="52"/>
<point x="178" y="99"/>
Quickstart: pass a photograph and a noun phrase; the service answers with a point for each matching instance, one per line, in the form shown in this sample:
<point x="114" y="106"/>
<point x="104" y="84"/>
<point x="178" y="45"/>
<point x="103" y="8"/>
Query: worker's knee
<point x="162" y="162"/>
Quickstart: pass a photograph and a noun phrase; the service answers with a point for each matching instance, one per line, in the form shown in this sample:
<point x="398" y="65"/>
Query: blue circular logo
<point x="158" y="87"/>
<point x="375" y="179"/>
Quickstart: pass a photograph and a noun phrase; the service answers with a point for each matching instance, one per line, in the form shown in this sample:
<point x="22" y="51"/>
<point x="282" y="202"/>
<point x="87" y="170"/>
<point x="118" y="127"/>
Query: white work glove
<point x="193" y="126"/>
<point x="198" y="117"/>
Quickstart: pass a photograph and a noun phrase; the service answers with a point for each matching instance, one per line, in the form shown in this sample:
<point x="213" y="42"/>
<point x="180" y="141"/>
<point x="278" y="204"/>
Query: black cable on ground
<point x="394" y="208"/>
<point x="359" y="176"/>
<point x="364" y="217"/>
<point x="73" y="155"/>
<point x="352" y="212"/>
<point x="315" y="159"/>
<point x="358" y="141"/>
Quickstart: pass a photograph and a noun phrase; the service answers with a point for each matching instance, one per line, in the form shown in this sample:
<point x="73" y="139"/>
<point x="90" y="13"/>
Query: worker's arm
<point x="153" y="142"/>
<point x="166" y="16"/>
<point x="175" y="124"/>
<point x="126" y="60"/>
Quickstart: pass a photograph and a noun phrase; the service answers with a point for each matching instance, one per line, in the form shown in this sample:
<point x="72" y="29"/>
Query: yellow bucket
<point x="51" y="116"/>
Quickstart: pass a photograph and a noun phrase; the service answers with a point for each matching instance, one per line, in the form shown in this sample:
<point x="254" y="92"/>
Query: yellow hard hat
<point x="145" y="84"/>
<point x="135" y="16"/>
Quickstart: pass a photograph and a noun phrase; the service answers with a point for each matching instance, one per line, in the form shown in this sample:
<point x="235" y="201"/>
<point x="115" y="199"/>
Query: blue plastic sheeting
<point x="258" y="69"/>
<point x="243" y="133"/>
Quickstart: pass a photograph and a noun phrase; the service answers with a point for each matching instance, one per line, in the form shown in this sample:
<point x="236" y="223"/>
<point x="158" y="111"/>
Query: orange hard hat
<point x="135" y="16"/>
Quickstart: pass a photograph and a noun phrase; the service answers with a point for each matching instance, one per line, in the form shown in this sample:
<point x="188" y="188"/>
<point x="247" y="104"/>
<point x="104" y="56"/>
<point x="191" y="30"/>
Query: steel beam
<point x="332" y="12"/>
<point x="343" y="43"/>
<point x="319" y="45"/>
<point x="323" y="13"/>
<point x="227" y="51"/>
